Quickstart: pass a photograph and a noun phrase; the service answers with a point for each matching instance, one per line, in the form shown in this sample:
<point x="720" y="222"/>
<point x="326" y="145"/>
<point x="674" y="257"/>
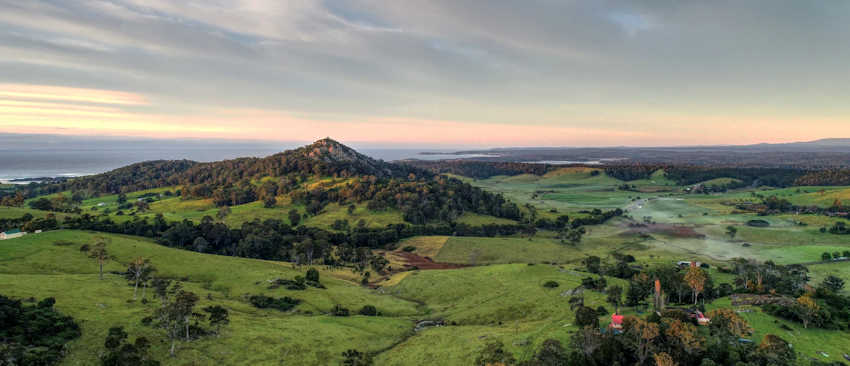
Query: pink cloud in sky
<point x="64" y="110"/>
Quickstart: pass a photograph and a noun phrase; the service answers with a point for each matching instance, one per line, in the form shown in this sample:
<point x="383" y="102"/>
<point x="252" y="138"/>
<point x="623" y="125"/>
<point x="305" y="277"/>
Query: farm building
<point x="14" y="233"/>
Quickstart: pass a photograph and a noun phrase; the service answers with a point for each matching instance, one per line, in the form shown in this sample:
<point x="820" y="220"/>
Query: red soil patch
<point x="413" y="260"/>
<point x="677" y="231"/>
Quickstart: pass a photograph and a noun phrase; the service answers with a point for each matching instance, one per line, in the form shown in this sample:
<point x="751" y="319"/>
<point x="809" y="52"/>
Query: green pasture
<point x="807" y="343"/>
<point x="43" y="265"/>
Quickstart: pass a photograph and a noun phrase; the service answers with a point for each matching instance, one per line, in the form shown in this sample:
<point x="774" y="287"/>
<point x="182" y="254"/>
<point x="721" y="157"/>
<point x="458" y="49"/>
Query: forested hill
<point x="325" y="157"/>
<point x="313" y="176"/>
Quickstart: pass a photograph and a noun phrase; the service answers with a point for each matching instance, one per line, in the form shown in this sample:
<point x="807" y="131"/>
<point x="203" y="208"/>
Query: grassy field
<point x="497" y="296"/>
<point x="808" y="343"/>
<point x="497" y="302"/>
<point x="17" y="212"/>
<point x="35" y="266"/>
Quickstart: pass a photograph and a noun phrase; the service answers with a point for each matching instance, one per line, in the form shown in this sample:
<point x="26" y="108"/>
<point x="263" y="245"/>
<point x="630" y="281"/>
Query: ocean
<point x="38" y="156"/>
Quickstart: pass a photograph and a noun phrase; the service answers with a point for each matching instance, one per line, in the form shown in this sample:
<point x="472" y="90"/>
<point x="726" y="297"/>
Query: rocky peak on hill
<point x="342" y="157"/>
<point x="329" y="150"/>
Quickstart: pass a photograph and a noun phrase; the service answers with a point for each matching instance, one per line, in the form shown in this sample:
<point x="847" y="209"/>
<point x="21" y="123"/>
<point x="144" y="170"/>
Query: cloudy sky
<point x="437" y="72"/>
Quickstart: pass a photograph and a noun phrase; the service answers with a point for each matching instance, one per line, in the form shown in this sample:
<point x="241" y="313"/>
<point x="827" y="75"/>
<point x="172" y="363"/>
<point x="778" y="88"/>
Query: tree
<point x="294" y="217"/>
<point x="494" y="353"/>
<point x="663" y="359"/>
<point x="640" y="335"/>
<point x="223" y="211"/>
<point x="218" y="317"/>
<point x="176" y="311"/>
<point x="731" y="231"/>
<point x="826" y="256"/>
<point x="684" y="335"/>
<point x="776" y="351"/>
<point x="120" y="353"/>
<point x="696" y="278"/>
<point x="269" y="201"/>
<point x="351" y="209"/>
<point x="615" y="296"/>
<point x="137" y="271"/>
<point x="312" y="275"/>
<point x="807" y="309"/>
<point x="593" y="263"/>
<point x="122" y="198"/>
<point x="833" y="284"/>
<point x="572" y="235"/>
<point x="100" y="254"/>
<point x="551" y="353"/>
<point x="200" y="244"/>
<point x="586" y="316"/>
<point x="727" y="325"/>
<point x="587" y="340"/>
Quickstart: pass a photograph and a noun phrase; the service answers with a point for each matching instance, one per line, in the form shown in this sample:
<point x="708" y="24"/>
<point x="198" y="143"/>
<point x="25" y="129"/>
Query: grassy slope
<point x="806" y="342"/>
<point x="16" y="212"/>
<point x="498" y="302"/>
<point x="176" y="209"/>
<point x="34" y="266"/>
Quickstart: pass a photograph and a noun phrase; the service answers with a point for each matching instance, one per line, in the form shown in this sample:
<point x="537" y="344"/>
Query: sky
<point x="429" y="73"/>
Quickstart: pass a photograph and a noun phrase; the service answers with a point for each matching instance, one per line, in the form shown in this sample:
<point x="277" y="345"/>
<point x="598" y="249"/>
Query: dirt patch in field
<point x="411" y="260"/>
<point x="403" y="263"/>
<point x="676" y="231"/>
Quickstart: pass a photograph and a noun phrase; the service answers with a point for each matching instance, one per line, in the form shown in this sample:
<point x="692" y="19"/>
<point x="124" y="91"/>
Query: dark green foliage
<point x="550" y="284"/>
<point x="758" y="223"/>
<point x="409" y="248"/>
<point x="586" y="316"/>
<point x="299" y="283"/>
<point x="312" y="275"/>
<point x="269" y="202"/>
<point x="840" y="228"/>
<point x="602" y="311"/>
<point x="593" y="264"/>
<point x="218" y="316"/>
<point x="368" y="310"/>
<point x="119" y="352"/>
<point x="354" y="357"/>
<point x="338" y="310"/>
<point x="41" y="204"/>
<point x="833" y="284"/>
<point x="480" y="169"/>
<point x="591" y="283"/>
<point x="341" y="225"/>
<point x="551" y="353"/>
<point x="34" y="335"/>
<point x="285" y="303"/>
<point x="494" y="353"/>
<point x="294" y="217"/>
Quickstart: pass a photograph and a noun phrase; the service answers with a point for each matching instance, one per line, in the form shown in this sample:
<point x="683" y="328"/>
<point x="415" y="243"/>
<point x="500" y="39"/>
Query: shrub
<point x="283" y="304"/>
<point x="586" y="316"/>
<point x="550" y="284"/>
<point x="409" y="248"/>
<point x="758" y="223"/>
<point x="368" y="310"/>
<point x="312" y="275"/>
<point x="354" y="357"/>
<point x="602" y="311"/>
<point x="338" y="310"/>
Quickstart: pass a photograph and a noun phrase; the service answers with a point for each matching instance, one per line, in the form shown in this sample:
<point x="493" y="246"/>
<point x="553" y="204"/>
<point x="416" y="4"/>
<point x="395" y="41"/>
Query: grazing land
<point x="416" y="267"/>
